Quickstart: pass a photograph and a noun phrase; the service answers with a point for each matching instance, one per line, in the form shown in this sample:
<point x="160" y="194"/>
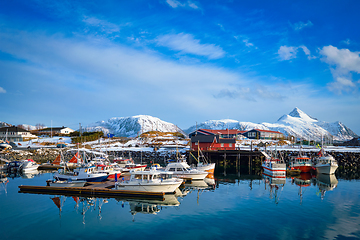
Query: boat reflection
<point x="153" y="206"/>
<point x="82" y="204"/>
<point x="275" y="186"/>
<point x="326" y="182"/>
<point x="303" y="180"/>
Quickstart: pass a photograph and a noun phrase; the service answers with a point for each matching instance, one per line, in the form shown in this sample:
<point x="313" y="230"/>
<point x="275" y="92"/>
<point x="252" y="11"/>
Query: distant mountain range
<point x="296" y="123"/>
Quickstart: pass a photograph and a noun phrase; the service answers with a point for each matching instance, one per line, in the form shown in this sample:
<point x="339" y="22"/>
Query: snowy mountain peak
<point x="300" y="114"/>
<point x="297" y="115"/>
<point x="133" y="126"/>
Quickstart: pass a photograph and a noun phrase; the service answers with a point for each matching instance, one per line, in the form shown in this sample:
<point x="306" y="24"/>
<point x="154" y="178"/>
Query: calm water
<point x="252" y="207"/>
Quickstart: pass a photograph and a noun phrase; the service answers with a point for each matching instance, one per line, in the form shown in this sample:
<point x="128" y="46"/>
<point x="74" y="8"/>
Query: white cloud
<point x="345" y="62"/>
<point x="347" y="41"/>
<point x="300" y="25"/>
<point x="105" y="26"/>
<point x="287" y="53"/>
<point x="342" y="58"/>
<point x="187" y="44"/>
<point x="175" y="4"/>
<point x="2" y="90"/>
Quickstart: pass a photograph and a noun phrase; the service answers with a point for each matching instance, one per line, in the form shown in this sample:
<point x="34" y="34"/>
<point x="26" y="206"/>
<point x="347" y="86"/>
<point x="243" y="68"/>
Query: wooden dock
<point x="100" y="189"/>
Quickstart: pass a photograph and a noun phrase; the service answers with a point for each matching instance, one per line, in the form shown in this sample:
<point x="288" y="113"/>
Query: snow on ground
<point x="105" y="145"/>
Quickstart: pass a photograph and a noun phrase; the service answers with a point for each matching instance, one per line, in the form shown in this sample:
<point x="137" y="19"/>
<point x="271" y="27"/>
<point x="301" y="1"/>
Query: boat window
<point x="172" y="169"/>
<point x="138" y="176"/>
<point x="179" y="169"/>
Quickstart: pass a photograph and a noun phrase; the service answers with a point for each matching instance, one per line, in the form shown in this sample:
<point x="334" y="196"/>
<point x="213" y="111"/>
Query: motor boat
<point x="150" y="181"/>
<point x="181" y="169"/>
<point x="65" y="183"/>
<point x="89" y="174"/>
<point x="28" y="165"/>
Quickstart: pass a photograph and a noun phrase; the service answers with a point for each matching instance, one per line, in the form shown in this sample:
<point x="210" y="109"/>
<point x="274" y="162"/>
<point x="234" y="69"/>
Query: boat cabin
<point x="178" y="167"/>
<point x="150" y="175"/>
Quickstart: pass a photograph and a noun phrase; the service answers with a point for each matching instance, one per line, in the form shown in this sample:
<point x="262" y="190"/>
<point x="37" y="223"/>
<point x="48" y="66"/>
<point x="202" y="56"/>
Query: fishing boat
<point x="181" y="169"/>
<point x="325" y="163"/>
<point x="300" y="162"/>
<point x="89" y="174"/>
<point x="274" y="167"/>
<point x="150" y="181"/>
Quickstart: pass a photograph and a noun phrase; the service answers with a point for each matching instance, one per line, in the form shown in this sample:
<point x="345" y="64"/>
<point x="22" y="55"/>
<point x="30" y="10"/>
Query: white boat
<point x="89" y="174"/>
<point x="325" y="163"/>
<point x="274" y="167"/>
<point x="65" y="183"/>
<point x="150" y="181"/>
<point x="28" y="165"/>
<point x="203" y="164"/>
<point x="182" y="170"/>
<point x="5" y="145"/>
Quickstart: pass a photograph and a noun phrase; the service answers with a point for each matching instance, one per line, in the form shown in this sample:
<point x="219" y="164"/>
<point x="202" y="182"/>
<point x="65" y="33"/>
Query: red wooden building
<point x="213" y="140"/>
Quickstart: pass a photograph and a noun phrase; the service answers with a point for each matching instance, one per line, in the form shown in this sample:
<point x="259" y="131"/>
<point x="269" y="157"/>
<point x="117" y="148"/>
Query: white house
<point x="56" y="131"/>
<point x="15" y="134"/>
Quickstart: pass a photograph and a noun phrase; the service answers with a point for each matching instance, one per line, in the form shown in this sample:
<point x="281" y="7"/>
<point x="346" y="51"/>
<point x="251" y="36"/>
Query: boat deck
<point x="97" y="189"/>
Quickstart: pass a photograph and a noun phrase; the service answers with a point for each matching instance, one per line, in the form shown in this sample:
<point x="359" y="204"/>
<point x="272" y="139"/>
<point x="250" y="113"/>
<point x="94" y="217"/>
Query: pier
<point x="93" y="189"/>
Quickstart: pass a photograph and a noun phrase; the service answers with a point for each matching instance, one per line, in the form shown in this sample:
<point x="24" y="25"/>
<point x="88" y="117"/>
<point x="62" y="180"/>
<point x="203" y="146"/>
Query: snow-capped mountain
<point x="4" y="124"/>
<point x="133" y="126"/>
<point x="226" y="124"/>
<point x="297" y="123"/>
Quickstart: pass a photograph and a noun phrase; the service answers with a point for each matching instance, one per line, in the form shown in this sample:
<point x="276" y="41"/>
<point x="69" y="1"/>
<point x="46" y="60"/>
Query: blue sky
<point x="71" y="62"/>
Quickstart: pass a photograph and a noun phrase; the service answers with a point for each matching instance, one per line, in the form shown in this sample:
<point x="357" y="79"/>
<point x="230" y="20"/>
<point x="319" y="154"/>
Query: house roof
<point x="224" y="131"/>
<point x="261" y="130"/>
<point x="52" y="129"/>
<point x="12" y="129"/>
<point x="203" y="138"/>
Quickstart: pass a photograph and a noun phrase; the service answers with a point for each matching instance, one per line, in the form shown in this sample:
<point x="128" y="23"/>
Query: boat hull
<point x="149" y="187"/>
<point x="304" y="168"/>
<point x="210" y="168"/>
<point x="193" y="176"/>
<point x="67" y="183"/>
<point x="326" y="168"/>
<point x="94" y="178"/>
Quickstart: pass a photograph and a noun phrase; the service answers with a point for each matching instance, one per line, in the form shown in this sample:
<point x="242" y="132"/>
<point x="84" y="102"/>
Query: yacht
<point x="182" y="170"/>
<point x="150" y="181"/>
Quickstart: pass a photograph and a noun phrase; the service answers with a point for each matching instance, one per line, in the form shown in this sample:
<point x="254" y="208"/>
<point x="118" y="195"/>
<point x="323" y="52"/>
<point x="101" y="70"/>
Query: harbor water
<point x="224" y="207"/>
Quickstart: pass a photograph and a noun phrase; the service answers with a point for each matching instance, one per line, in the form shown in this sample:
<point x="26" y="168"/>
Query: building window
<point x="230" y="144"/>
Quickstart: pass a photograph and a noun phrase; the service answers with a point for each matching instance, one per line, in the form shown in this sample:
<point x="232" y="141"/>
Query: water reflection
<point x="275" y="186"/>
<point x="326" y="183"/>
<point x="303" y="181"/>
